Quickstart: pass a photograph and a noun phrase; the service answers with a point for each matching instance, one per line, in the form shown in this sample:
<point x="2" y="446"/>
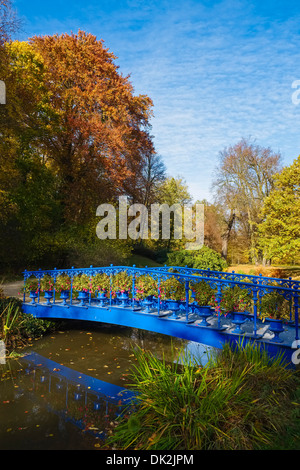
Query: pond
<point x="69" y="388"/>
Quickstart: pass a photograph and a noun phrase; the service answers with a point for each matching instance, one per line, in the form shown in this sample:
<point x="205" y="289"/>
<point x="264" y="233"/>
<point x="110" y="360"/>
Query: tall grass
<point x="16" y="327"/>
<point x="10" y="321"/>
<point x="239" y="400"/>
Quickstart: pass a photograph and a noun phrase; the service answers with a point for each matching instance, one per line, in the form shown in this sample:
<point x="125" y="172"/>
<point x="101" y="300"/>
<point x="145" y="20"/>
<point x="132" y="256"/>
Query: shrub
<point x="203" y="293"/>
<point x="172" y="289"/>
<point x="17" y="326"/>
<point x="144" y="286"/>
<point x="31" y="284"/>
<point x="47" y="283"/>
<point x="100" y="283"/>
<point x="274" y="305"/>
<point x="236" y="299"/>
<point x="82" y="283"/>
<point x="121" y="282"/>
<point x="205" y="258"/>
<point x="63" y="282"/>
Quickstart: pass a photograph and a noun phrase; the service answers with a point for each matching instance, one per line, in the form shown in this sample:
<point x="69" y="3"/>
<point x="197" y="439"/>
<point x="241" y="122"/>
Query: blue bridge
<point x="209" y="307"/>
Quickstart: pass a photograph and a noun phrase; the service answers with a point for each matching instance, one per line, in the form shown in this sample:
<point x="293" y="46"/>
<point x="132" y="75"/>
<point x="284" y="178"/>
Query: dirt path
<point x="13" y="289"/>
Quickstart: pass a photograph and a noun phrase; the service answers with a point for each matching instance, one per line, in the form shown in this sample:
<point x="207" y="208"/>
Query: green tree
<point x="173" y="191"/>
<point x="280" y="230"/>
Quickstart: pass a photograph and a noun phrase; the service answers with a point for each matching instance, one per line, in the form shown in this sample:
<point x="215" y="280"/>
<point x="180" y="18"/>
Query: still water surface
<point x="71" y="385"/>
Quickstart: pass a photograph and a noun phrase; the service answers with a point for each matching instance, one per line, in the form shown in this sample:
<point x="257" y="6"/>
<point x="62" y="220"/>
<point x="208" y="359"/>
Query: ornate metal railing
<point x="233" y="276"/>
<point x="256" y="286"/>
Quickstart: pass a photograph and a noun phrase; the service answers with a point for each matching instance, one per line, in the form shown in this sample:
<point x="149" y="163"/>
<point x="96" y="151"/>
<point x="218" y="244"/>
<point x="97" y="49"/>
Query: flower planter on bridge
<point x="123" y="297"/>
<point x="174" y="306"/>
<point x="64" y="295"/>
<point x="33" y="295"/>
<point x="276" y="326"/>
<point x="147" y="303"/>
<point x="48" y="296"/>
<point x="83" y="297"/>
<point x="102" y="298"/>
<point x="172" y="289"/>
<point x="204" y="312"/>
<point x="238" y="319"/>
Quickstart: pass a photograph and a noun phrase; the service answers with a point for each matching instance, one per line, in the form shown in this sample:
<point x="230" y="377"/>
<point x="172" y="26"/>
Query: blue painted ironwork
<point x="184" y="315"/>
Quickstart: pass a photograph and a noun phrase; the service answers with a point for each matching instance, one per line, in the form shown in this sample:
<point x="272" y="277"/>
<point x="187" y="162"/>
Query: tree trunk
<point x="226" y="234"/>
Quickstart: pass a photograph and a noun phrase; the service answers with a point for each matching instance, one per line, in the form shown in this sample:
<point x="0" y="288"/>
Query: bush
<point x="274" y="305"/>
<point x="205" y="258"/>
<point x="17" y="326"/>
<point x="203" y="293"/>
<point x="145" y="285"/>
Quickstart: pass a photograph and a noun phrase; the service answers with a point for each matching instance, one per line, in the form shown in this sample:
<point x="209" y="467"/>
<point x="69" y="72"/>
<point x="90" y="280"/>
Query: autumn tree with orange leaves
<point x="73" y="135"/>
<point x="98" y="137"/>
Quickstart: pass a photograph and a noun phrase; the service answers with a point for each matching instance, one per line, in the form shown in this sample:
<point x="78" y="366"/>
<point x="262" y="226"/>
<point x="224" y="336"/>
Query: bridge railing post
<point x="296" y="305"/>
<point x="158" y="296"/>
<point x="54" y="290"/>
<point x="71" y="293"/>
<point x="187" y="295"/>
<point x="110" y="292"/>
<point x="39" y="288"/>
<point x="290" y="301"/>
<point x="90" y="286"/>
<point x="219" y="298"/>
<point x="133" y="288"/>
<point x="254" y="290"/>
<point x="24" y="293"/>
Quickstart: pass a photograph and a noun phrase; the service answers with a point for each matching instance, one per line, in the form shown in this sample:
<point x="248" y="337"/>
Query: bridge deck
<point x="162" y="322"/>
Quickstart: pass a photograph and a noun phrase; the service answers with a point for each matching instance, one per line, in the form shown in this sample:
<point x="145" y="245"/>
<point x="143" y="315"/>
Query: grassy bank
<point x="269" y="271"/>
<point x="18" y="329"/>
<point x="240" y="401"/>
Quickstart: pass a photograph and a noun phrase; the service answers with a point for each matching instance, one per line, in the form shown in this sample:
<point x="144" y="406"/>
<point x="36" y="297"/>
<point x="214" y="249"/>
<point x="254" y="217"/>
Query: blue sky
<point x="216" y="71"/>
